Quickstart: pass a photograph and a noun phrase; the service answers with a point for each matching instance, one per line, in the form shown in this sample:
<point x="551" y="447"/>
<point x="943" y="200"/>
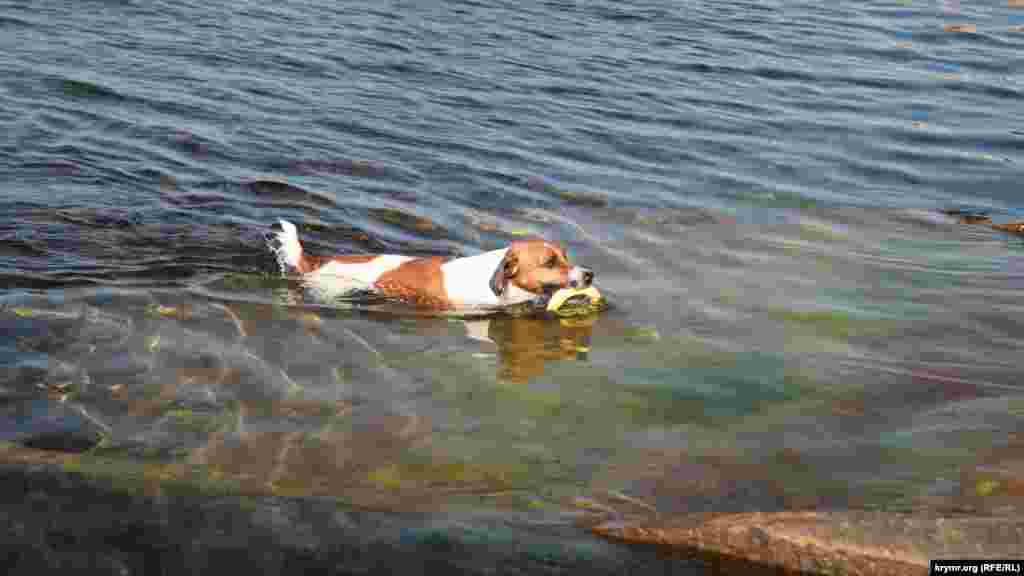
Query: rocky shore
<point x="60" y="519"/>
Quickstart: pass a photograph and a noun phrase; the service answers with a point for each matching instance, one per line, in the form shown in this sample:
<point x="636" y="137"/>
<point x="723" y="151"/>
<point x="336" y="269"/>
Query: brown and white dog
<point x="528" y="270"/>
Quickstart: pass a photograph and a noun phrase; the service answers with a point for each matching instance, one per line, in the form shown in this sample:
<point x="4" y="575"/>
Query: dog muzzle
<point x="580" y="277"/>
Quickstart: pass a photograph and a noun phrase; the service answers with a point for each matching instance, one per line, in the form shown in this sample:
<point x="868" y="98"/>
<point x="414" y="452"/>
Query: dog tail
<point x="286" y="247"/>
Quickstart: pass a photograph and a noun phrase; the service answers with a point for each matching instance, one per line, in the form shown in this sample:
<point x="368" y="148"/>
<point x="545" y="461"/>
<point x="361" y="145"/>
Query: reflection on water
<point x="527" y="345"/>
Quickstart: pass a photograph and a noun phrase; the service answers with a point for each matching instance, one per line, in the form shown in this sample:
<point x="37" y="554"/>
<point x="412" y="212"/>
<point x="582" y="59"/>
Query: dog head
<point x="538" y="267"/>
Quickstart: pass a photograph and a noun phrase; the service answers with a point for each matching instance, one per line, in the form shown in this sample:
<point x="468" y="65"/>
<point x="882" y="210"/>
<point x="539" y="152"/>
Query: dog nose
<point x="581" y="277"/>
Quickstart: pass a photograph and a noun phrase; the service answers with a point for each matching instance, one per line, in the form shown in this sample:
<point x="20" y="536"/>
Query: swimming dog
<point x="528" y="270"/>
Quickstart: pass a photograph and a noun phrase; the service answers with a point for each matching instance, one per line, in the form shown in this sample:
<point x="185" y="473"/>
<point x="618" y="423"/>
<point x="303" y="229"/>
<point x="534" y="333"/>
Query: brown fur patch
<point x="419" y="282"/>
<point x="309" y="263"/>
<point x="1012" y="227"/>
<point x="533" y="258"/>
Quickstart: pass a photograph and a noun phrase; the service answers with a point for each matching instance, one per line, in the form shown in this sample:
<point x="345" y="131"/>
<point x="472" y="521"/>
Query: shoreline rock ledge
<point x="62" y="513"/>
<point x="847" y="542"/>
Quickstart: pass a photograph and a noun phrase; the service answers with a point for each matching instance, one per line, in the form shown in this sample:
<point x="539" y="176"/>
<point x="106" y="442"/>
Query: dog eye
<point x="552" y="261"/>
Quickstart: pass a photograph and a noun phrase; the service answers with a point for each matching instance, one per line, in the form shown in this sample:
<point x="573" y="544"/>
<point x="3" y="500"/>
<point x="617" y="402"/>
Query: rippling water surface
<point x="758" y="184"/>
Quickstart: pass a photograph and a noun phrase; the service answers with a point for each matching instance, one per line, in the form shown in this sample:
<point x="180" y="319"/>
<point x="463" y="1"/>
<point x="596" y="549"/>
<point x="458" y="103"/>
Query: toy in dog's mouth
<point x="576" y="302"/>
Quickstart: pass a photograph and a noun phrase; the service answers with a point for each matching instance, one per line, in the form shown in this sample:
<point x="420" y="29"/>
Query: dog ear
<point x="506" y="270"/>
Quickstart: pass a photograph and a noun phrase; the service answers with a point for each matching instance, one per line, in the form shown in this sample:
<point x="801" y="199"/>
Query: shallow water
<point x="758" y="186"/>
<point x="863" y="358"/>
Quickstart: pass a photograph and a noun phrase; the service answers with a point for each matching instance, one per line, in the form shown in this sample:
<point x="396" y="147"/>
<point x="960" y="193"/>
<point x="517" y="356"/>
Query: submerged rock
<point x="57" y="520"/>
<point x="45" y="424"/>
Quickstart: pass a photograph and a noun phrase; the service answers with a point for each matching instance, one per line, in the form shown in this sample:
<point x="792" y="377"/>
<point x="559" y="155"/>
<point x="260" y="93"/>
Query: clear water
<point x="757" y="184"/>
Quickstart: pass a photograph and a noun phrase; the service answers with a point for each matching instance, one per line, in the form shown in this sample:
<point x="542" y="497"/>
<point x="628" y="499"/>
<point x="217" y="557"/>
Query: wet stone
<point x="47" y="425"/>
<point x="839" y="542"/>
<point x="20" y="379"/>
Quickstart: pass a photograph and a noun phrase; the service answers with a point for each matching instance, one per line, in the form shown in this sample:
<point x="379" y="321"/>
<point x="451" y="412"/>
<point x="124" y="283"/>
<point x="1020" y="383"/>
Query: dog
<point x="528" y="270"/>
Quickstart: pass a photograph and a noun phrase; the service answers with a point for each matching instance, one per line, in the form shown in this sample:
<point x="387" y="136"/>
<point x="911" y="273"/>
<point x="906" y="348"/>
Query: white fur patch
<point x="516" y="295"/>
<point x="288" y="250"/>
<point x="468" y="282"/>
<point x="338" y="278"/>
